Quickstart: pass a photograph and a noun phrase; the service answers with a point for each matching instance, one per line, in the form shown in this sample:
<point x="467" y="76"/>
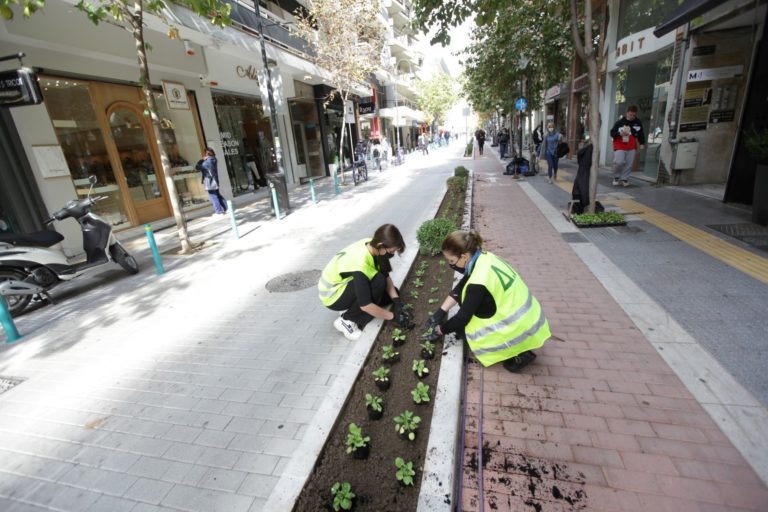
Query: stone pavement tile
<point x="100" y="480"/>
<point x="257" y="463"/>
<point x="148" y="491"/>
<point x="7" y="505"/>
<point x="194" y="499"/>
<point x="258" y="485"/>
<point x="222" y="479"/>
<point x="112" y="504"/>
<point x="62" y="497"/>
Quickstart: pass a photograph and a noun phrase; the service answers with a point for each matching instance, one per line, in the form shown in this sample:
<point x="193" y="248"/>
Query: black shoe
<point x="517" y="363"/>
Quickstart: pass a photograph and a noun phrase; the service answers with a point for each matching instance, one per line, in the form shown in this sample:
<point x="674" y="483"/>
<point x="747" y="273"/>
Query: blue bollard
<point x="155" y="252"/>
<point x="336" y="182"/>
<point x="312" y="189"/>
<point x="231" y="211"/>
<point x="274" y="201"/>
<point x="11" y="333"/>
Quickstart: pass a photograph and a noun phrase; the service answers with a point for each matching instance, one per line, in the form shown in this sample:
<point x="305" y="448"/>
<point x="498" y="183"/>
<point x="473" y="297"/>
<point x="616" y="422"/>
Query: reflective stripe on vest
<point x="519" y="323"/>
<point x="354" y="258"/>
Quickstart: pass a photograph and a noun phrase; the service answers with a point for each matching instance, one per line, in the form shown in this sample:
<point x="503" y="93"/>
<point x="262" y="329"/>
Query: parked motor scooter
<point x="29" y="267"/>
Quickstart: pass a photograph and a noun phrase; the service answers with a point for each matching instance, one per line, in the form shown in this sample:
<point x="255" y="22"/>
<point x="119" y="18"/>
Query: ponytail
<point x="460" y="242"/>
<point x="388" y="237"/>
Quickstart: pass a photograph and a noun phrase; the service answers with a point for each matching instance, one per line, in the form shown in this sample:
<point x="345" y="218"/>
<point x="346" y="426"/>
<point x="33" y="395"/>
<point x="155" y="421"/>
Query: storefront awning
<point x="686" y="12"/>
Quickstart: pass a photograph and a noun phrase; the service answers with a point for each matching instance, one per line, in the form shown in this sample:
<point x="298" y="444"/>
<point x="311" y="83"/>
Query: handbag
<point x="562" y="150"/>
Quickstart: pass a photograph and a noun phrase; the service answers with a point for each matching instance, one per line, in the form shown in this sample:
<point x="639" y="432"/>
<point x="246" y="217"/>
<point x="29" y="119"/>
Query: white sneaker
<point x="549" y="180"/>
<point x="615" y="182"/>
<point x="350" y="330"/>
<point x="624" y="183"/>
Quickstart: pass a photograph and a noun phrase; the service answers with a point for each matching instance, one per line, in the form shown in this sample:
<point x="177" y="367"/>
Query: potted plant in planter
<point x="357" y="444"/>
<point x="405" y="472"/>
<point x="756" y="144"/>
<point x="375" y="406"/>
<point x="398" y="337"/>
<point x="420" y="393"/>
<point x="406" y="425"/>
<point x="381" y="378"/>
<point x="343" y="497"/>
<point x="419" y="367"/>
<point x="597" y="220"/>
<point x="427" y="349"/>
<point x="389" y="355"/>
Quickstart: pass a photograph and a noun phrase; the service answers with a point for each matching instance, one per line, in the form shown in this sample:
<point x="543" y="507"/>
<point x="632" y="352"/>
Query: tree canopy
<point x="437" y="96"/>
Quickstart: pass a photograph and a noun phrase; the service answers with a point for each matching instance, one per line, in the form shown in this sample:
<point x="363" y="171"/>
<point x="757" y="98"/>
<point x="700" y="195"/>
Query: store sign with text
<point x="19" y="87"/>
<point x="175" y="95"/>
<point x="641" y="43"/>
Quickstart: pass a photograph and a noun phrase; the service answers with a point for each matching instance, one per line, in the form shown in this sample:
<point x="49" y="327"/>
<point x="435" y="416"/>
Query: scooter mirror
<point x="92" y="179"/>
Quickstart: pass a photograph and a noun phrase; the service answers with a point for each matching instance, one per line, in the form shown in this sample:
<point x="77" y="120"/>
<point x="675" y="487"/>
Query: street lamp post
<point x="397" y="107"/>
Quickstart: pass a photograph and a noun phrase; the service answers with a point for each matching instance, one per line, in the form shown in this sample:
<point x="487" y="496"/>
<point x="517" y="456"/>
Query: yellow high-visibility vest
<point x="519" y="323"/>
<point x="354" y="258"/>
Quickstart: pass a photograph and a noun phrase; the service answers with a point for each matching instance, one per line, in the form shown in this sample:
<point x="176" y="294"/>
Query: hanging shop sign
<point x="175" y="95"/>
<point x="19" y="87"/>
<point x="641" y="43"/>
<point x="247" y="72"/>
<point x="366" y="108"/>
<point x="701" y="75"/>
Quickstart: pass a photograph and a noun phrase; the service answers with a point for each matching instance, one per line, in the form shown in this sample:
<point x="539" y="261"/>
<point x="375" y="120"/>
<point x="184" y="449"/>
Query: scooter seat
<point x="44" y="238"/>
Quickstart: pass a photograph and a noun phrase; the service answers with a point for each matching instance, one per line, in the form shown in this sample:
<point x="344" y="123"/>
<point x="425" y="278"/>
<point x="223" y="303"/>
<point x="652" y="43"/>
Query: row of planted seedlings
<point x="374" y="456"/>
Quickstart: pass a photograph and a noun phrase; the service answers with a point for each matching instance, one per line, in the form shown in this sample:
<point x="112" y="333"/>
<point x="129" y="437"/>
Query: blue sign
<point x="520" y="104"/>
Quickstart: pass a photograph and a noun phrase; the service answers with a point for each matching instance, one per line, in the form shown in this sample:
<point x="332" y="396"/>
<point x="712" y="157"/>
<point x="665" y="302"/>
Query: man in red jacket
<point x="627" y="135"/>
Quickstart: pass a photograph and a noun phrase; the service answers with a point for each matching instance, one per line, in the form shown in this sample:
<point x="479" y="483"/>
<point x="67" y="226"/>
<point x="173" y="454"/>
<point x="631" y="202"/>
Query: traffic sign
<point x="521" y="104"/>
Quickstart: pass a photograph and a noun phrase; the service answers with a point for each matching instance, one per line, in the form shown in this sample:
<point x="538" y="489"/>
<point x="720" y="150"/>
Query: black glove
<point x="435" y="319"/>
<point x="432" y="334"/>
<point x="403" y="318"/>
<point x="398" y="304"/>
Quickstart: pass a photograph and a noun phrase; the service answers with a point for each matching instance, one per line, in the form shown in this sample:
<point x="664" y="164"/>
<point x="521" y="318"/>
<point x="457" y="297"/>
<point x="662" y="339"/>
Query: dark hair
<point x="388" y="237"/>
<point x="210" y="152"/>
<point x="632" y="108"/>
<point x="460" y="242"/>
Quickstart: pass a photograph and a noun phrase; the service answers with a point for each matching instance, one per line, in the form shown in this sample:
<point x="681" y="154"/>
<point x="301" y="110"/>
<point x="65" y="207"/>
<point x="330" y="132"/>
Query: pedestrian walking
<point x="210" y="179"/>
<point x="424" y="143"/>
<point x="385" y="149"/>
<point x="480" y="138"/>
<point x="376" y="154"/>
<point x="538" y="137"/>
<point x="549" y="150"/>
<point x="628" y="136"/>
<point x="357" y="283"/>
<point x="498" y="316"/>
<point x="503" y="143"/>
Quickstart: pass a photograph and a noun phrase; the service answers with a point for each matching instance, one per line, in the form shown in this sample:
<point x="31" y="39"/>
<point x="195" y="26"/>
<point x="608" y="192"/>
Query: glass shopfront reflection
<point x="246" y="138"/>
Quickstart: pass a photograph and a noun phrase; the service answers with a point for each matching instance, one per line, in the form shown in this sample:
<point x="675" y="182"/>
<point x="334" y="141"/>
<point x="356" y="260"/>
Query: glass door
<point x="132" y="144"/>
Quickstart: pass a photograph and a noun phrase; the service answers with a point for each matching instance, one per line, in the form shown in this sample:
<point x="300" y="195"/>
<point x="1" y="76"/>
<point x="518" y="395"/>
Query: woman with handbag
<point x="549" y="150"/>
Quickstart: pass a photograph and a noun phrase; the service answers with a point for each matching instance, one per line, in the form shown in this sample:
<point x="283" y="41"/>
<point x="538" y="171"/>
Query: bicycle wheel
<point x="355" y="174"/>
<point x="364" y="171"/>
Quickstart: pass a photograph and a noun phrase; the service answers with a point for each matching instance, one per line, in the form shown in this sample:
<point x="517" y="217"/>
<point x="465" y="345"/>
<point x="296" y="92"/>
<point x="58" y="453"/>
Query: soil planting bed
<point x="373" y="479"/>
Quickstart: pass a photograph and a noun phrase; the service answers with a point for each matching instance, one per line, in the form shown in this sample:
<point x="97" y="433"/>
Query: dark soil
<point x="373" y="480"/>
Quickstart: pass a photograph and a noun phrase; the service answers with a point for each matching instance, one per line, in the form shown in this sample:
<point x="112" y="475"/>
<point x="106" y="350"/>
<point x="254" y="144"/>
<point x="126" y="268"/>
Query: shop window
<point x="181" y="142"/>
<point x="306" y="133"/>
<point x="637" y="15"/>
<point x="77" y="130"/>
<point x="246" y="137"/>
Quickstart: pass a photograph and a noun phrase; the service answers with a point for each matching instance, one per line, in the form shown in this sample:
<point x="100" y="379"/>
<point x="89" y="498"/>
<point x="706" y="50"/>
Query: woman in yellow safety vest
<point x="356" y="281"/>
<point x="499" y="317"/>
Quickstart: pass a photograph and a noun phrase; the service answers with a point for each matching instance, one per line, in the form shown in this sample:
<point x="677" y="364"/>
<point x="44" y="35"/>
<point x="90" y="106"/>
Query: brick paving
<point x="599" y="421"/>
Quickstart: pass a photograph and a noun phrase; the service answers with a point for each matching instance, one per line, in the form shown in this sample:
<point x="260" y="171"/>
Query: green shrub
<point x="461" y="171"/>
<point x="598" y="218"/>
<point x="468" y="151"/>
<point x="431" y="234"/>
<point x="457" y="184"/>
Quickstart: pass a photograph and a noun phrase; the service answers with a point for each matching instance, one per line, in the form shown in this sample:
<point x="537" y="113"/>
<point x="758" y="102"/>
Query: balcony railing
<point x="244" y="17"/>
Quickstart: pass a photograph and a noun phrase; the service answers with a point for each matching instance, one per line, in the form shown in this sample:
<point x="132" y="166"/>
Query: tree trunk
<point x="594" y="130"/>
<point x="341" y="137"/>
<point x="138" y="35"/>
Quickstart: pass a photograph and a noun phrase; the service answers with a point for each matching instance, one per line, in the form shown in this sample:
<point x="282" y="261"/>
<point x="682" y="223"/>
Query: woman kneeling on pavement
<point x="356" y="281"/>
<point x="499" y="317"/>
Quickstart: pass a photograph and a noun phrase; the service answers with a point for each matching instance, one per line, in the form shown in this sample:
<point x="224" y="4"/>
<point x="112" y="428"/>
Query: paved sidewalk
<point x="599" y="421"/>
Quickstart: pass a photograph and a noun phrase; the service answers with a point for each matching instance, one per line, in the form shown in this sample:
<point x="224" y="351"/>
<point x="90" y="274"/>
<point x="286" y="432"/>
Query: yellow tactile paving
<point x="736" y="257"/>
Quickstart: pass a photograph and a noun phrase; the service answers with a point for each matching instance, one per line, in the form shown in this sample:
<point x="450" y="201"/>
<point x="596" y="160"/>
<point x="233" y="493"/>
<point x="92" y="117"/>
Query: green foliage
<point x="28" y="7"/>
<point x="432" y="301"/>
<point x="469" y="149"/>
<point x="437" y="96"/>
<point x="342" y="496"/>
<point x="374" y="402"/>
<point x="587" y="219"/>
<point x="407" y="423"/>
<point x="398" y="334"/>
<point x="418" y="283"/>
<point x="414" y="294"/>
<point x="428" y="346"/>
<point x="431" y="234"/>
<point x="461" y="171"/>
<point x="389" y="352"/>
<point x="381" y="374"/>
<point x="420" y="393"/>
<point x="433" y="289"/>
<point x="457" y="184"/>
<point x="419" y="272"/>
<point x="355" y="438"/>
<point x="405" y="472"/>
<point x="419" y="367"/>
<point x="756" y="143"/>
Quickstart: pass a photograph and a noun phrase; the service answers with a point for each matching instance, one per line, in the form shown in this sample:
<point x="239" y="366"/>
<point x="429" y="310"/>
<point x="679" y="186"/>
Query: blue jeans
<point x="502" y="149"/>
<point x="552" y="161"/>
<point x="218" y="201"/>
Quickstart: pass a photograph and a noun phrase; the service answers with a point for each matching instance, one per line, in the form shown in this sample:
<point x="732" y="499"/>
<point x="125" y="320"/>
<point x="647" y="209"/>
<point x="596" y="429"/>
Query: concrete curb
<point x="287" y="490"/>
<point x="438" y="482"/>
<point x="739" y="415"/>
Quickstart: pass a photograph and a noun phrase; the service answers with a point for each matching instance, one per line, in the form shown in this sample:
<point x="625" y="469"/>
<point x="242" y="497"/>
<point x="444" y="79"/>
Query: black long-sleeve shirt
<point x="477" y="302"/>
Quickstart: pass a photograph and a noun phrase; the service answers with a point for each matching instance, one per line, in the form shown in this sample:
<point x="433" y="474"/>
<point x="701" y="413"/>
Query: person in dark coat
<point x="480" y="137"/>
<point x="208" y="168"/>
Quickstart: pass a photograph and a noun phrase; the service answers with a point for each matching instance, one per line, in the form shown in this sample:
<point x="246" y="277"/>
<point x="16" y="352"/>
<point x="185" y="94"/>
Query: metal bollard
<point x="231" y="211"/>
<point x="336" y="181"/>
<point x="155" y="252"/>
<point x="11" y="333"/>
<point x="274" y="201"/>
<point x="312" y="189"/>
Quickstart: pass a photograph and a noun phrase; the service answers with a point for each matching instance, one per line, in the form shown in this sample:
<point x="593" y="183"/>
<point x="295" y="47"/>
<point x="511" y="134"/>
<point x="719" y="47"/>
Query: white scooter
<point x="29" y="267"/>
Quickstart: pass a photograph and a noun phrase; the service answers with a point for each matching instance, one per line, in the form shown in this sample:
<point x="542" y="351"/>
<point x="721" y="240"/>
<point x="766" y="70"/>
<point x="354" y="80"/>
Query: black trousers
<point x="348" y="301"/>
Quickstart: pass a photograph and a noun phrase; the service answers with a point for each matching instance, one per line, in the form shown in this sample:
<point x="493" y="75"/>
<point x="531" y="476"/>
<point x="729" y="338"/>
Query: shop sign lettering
<point x="231" y="146"/>
<point x="700" y="75"/>
<point x="249" y="72"/>
<point x="19" y="87"/>
<point x="641" y="43"/>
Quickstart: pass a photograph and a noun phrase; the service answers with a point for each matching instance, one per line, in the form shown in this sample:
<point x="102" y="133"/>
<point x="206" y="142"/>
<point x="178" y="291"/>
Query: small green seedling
<point x="342" y="496"/>
<point x="418" y="283"/>
<point x="420" y="367"/>
<point x="405" y="472"/>
<point x="374" y="402"/>
<point x="419" y="272"/>
<point x="398" y="335"/>
<point x="389" y="353"/>
<point x="355" y="438"/>
<point x="431" y="301"/>
<point x="428" y="347"/>
<point x="381" y="374"/>
<point x="420" y="393"/>
<point x="433" y="289"/>
<point x="414" y="294"/>
<point x="441" y="263"/>
<point x="406" y="424"/>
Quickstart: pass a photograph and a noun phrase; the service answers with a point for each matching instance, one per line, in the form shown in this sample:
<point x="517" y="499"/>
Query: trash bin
<point x="276" y="181"/>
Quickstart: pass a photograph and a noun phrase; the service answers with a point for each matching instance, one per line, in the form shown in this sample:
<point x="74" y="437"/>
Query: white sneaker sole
<point x="351" y="336"/>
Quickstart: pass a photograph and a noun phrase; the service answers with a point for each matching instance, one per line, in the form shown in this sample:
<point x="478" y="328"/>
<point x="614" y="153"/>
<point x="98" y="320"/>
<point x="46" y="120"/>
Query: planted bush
<point x="457" y="185"/>
<point x="398" y="336"/>
<point x="427" y="349"/>
<point x="389" y="354"/>
<point x="598" y="219"/>
<point x="461" y="171"/>
<point x="468" y="149"/>
<point x="420" y="393"/>
<point x="405" y="472"/>
<point x="406" y="425"/>
<point x="420" y="368"/>
<point x="381" y="378"/>
<point x="375" y="406"/>
<point x="343" y="497"/>
<point x="431" y="234"/>
<point x="357" y="444"/>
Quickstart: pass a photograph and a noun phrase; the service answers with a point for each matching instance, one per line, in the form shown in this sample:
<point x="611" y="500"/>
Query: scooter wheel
<point x="16" y="303"/>
<point x="124" y="259"/>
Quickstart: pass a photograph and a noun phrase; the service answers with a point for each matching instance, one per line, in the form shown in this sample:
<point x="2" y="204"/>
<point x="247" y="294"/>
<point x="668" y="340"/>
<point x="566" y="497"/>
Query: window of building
<point x="637" y="15"/>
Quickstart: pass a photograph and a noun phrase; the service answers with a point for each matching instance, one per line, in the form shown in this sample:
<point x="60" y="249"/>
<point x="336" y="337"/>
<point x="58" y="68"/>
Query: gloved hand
<point x="432" y="334"/>
<point x="397" y="304"/>
<point x="435" y="319"/>
<point x="403" y="318"/>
